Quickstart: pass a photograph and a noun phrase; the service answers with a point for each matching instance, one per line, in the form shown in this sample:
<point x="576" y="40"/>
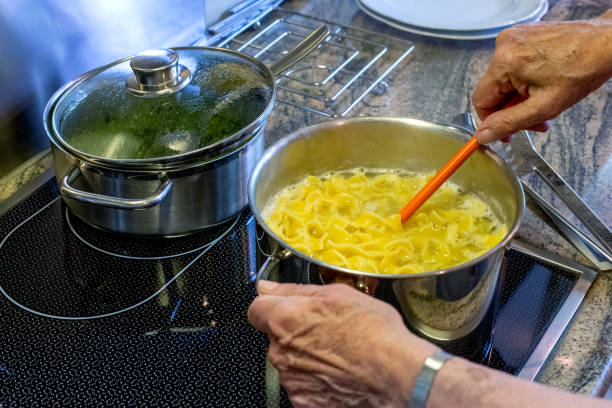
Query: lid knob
<point x="157" y="72"/>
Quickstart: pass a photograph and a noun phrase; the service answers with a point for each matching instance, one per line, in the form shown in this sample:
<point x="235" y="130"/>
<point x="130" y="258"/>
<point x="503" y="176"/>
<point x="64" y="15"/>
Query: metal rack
<point x="349" y="68"/>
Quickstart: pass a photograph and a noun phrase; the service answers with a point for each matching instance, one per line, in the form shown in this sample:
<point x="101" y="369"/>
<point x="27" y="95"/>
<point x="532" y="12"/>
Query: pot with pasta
<point x="328" y="198"/>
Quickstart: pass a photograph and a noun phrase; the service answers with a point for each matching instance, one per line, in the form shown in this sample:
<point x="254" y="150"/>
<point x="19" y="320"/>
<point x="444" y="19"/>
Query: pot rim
<point x="206" y="153"/>
<point x="163" y="169"/>
<point x="304" y="132"/>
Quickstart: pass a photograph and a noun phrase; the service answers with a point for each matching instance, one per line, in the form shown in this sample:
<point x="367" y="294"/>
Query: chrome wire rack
<point x="349" y="68"/>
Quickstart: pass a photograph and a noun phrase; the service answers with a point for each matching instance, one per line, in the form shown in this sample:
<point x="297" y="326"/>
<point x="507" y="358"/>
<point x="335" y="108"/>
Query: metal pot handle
<point x="266" y="269"/>
<point x="301" y="50"/>
<point x="113" y="202"/>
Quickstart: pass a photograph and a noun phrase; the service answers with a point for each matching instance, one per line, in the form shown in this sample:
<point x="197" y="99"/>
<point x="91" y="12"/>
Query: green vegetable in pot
<point x="217" y="104"/>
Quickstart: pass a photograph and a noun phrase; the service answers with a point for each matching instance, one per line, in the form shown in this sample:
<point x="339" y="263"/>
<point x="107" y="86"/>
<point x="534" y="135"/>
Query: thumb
<point x="287" y="289"/>
<point x="505" y="122"/>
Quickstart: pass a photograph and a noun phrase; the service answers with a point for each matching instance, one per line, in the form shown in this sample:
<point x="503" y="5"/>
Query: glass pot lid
<point x="164" y="103"/>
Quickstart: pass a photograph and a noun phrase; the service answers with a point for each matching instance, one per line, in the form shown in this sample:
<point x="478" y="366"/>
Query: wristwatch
<point x="432" y="365"/>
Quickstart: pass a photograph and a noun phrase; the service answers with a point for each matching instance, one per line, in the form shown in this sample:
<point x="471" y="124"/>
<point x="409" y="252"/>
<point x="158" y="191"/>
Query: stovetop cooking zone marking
<point x="152" y="296"/>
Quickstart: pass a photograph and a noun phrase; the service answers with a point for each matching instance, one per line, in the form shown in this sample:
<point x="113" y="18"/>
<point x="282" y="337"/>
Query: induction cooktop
<point x="94" y="318"/>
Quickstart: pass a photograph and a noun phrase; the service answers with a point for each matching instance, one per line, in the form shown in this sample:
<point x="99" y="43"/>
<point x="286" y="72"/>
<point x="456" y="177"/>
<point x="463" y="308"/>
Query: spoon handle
<point x="449" y="168"/>
<point x="439" y="178"/>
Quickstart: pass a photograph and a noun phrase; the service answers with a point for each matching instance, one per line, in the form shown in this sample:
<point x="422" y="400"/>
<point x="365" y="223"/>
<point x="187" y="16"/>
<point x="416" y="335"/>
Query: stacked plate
<point x="458" y="20"/>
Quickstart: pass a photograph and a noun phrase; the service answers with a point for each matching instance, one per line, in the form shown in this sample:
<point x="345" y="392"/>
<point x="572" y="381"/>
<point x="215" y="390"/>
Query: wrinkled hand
<point x="552" y="65"/>
<point x="334" y="346"/>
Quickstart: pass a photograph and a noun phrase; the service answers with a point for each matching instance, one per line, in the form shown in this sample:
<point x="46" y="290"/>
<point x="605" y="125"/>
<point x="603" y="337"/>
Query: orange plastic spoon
<point x="441" y="176"/>
<point x="446" y="171"/>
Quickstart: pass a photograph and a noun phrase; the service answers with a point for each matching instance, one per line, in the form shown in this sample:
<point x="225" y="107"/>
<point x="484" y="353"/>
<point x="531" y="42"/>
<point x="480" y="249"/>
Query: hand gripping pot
<point x="163" y="143"/>
<point x="444" y="305"/>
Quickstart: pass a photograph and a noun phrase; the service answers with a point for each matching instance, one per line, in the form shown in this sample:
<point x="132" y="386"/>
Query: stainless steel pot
<point x="172" y="194"/>
<point x="443" y="305"/>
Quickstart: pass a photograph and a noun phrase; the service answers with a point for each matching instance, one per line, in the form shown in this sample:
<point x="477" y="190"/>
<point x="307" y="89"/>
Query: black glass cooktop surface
<point x="93" y="318"/>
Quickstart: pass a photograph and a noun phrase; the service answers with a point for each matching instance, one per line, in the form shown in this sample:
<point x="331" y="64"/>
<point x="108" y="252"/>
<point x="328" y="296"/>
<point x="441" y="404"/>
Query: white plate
<point x="455" y="15"/>
<point x="454" y="35"/>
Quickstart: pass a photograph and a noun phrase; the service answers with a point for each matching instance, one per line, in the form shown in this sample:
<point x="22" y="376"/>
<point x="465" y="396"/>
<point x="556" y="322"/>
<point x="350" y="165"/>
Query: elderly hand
<point x="334" y="346"/>
<point x="551" y="65"/>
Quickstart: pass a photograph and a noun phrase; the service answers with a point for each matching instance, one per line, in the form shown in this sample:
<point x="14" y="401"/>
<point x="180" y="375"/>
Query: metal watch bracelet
<point x="432" y="365"/>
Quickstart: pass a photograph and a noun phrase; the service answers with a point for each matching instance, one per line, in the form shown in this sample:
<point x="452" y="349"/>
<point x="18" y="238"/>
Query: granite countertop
<point x="432" y="85"/>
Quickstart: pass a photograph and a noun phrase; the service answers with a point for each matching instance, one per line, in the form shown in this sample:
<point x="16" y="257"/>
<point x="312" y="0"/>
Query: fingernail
<point x="267" y="286"/>
<point x="485" y="136"/>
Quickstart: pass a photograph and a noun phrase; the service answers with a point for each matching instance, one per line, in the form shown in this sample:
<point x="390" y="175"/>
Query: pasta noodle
<point x="351" y="219"/>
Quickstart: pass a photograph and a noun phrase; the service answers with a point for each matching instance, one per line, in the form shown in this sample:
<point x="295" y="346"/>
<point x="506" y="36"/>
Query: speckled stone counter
<point x="25" y="173"/>
<point x="432" y="84"/>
